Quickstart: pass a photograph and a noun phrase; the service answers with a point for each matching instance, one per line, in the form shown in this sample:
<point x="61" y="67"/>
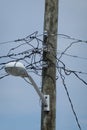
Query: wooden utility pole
<point x="48" y="119"/>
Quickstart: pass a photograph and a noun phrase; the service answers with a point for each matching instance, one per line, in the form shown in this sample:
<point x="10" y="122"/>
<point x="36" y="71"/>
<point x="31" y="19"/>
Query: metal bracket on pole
<point x="47" y="106"/>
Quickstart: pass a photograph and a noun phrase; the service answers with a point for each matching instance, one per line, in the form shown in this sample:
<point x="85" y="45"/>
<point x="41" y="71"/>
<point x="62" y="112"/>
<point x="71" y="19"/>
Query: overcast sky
<point x="20" y="106"/>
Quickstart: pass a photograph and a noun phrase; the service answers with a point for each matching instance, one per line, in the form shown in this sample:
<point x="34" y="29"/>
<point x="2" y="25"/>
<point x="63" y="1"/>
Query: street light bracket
<point x="47" y="106"/>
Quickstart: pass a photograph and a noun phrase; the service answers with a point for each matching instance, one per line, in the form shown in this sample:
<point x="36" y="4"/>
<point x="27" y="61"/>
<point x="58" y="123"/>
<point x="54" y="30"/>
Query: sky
<point x="20" y="106"/>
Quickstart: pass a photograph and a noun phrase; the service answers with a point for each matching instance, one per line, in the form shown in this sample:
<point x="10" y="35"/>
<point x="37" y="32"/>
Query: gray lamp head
<point x="16" y="69"/>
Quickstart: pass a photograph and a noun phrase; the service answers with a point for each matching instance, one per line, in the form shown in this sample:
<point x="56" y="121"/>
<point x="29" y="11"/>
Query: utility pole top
<point x="48" y="119"/>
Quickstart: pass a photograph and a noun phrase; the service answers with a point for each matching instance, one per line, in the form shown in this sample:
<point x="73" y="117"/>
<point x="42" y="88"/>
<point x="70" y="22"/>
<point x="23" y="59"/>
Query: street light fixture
<point x="18" y="69"/>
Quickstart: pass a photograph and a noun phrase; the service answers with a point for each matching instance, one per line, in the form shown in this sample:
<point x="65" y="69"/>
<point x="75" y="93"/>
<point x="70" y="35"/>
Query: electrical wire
<point x="33" y="59"/>
<point x="73" y="56"/>
<point x="70" y="101"/>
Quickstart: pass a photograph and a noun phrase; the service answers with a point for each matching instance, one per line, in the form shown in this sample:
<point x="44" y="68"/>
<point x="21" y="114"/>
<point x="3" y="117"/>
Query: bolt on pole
<point x="48" y="119"/>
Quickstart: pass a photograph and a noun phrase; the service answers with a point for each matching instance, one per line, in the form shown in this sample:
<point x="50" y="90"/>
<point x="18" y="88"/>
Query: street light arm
<point x="18" y="69"/>
<point x="37" y="90"/>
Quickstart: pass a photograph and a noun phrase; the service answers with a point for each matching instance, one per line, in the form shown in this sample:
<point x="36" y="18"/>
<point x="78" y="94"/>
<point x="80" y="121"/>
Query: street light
<point x="18" y="69"/>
